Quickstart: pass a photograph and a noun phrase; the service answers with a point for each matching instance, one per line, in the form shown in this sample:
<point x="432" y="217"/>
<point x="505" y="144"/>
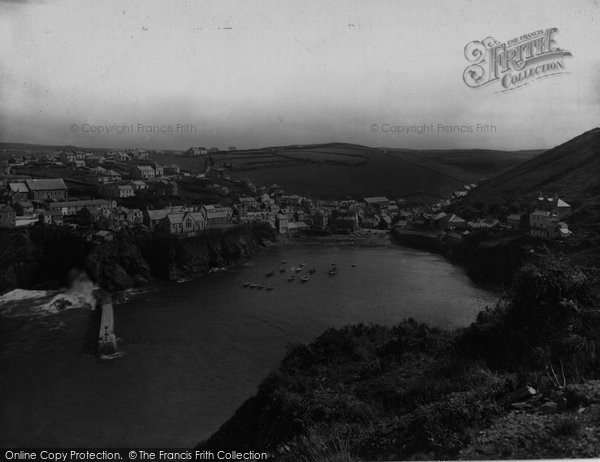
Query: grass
<point x="340" y="170"/>
<point x="567" y="426"/>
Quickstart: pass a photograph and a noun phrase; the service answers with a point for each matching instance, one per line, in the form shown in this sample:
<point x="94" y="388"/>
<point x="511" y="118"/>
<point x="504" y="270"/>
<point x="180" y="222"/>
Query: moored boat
<point x="270" y="273"/>
<point x="304" y="278"/>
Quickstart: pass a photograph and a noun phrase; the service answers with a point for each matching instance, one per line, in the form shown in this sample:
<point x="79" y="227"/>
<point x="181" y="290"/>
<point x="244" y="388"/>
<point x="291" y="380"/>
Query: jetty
<point x="107" y="340"/>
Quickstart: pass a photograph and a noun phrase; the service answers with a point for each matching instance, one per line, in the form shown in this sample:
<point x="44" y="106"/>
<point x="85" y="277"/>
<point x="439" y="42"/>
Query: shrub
<point x="566" y="427"/>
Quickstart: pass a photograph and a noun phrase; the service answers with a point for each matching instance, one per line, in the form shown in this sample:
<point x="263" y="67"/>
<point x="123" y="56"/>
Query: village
<point x="113" y="181"/>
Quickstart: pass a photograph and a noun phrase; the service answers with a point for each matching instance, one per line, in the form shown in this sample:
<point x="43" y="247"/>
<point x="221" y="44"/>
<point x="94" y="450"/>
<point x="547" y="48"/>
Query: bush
<point x="549" y="321"/>
<point x="566" y="427"/>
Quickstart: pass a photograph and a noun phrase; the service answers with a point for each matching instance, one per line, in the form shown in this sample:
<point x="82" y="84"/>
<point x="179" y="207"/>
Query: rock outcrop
<point x="43" y="256"/>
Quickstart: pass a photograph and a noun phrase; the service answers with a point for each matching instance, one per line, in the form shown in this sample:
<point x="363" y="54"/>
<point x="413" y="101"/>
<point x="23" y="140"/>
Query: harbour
<point x="195" y="351"/>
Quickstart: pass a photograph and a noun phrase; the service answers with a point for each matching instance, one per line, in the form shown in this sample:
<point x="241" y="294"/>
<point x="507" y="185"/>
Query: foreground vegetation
<point x="414" y="392"/>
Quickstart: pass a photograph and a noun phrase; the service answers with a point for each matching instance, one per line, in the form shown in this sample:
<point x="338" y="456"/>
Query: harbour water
<point x="194" y="351"/>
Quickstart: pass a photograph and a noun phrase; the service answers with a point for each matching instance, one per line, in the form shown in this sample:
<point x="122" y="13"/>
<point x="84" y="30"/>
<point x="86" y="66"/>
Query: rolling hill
<point x="571" y="169"/>
<point x="338" y="170"/>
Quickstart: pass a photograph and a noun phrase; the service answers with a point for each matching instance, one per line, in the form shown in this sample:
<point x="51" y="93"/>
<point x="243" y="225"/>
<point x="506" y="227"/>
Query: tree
<point x="85" y="217"/>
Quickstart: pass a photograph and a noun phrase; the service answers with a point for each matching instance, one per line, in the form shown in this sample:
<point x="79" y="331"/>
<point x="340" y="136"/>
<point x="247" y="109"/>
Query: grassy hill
<point x="338" y="169"/>
<point x="571" y="169"/>
<point x="465" y="163"/>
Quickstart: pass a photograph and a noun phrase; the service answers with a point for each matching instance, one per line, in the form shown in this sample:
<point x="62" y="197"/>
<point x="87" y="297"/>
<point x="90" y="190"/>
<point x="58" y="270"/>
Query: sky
<point x="173" y="74"/>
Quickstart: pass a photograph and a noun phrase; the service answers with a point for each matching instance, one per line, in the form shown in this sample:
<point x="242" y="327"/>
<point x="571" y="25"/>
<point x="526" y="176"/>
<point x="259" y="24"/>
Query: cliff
<point x="43" y="256"/>
<point x="170" y="258"/>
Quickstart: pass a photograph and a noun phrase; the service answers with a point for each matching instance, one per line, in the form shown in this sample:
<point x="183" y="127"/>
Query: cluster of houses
<point x="290" y="214"/>
<point x="116" y="175"/>
<point x="121" y="175"/>
<point x="547" y="219"/>
<point x="544" y="219"/>
<point x="46" y="201"/>
<point x="202" y="151"/>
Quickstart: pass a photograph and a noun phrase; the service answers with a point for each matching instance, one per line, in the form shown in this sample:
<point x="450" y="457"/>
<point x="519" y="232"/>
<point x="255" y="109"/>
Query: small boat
<point x="270" y="273"/>
<point x="291" y="278"/>
<point x="312" y="270"/>
<point x="353" y="265"/>
<point x="282" y="270"/>
<point x="115" y="355"/>
<point x="253" y="285"/>
<point x="259" y="286"/>
<point x="298" y="269"/>
<point x="270" y="288"/>
<point x="284" y="262"/>
<point x="304" y="278"/>
<point x="332" y="271"/>
<point x="246" y="284"/>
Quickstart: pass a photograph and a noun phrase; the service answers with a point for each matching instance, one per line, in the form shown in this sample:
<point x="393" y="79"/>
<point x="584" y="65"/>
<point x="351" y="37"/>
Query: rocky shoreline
<point x="44" y="256"/>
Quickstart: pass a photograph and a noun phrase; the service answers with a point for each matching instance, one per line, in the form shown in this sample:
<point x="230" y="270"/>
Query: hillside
<point x="481" y="162"/>
<point x="572" y="170"/>
<point x="337" y="170"/>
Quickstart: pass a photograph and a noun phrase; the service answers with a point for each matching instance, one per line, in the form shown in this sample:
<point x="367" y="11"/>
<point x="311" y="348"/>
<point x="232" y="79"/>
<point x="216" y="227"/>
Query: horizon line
<point x="278" y="146"/>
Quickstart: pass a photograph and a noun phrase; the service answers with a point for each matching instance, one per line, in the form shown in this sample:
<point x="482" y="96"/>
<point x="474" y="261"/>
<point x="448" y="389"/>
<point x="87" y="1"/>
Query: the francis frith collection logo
<point x="516" y="62"/>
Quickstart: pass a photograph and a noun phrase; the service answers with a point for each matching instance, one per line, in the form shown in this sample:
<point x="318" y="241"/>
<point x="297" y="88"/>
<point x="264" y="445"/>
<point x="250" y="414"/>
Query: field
<point x="338" y="170"/>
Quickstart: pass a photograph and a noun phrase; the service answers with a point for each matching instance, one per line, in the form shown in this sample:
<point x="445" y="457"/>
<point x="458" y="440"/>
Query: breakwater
<point x="107" y="340"/>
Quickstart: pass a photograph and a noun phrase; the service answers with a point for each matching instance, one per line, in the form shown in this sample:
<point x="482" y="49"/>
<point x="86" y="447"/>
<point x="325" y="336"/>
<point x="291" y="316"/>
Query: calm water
<point x="196" y="350"/>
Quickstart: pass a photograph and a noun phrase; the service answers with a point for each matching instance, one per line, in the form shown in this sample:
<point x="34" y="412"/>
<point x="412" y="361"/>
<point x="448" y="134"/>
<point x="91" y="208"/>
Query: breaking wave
<point x="21" y="302"/>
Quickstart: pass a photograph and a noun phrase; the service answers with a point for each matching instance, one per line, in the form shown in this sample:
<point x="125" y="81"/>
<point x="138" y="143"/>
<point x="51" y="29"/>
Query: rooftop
<point x="77" y="203"/>
<point x="6" y="208"/>
<point x="18" y="187"/>
<point x="376" y="200"/>
<point x="46" y="184"/>
<point x="175" y="218"/>
<point x="217" y="214"/>
<point x="157" y="214"/>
